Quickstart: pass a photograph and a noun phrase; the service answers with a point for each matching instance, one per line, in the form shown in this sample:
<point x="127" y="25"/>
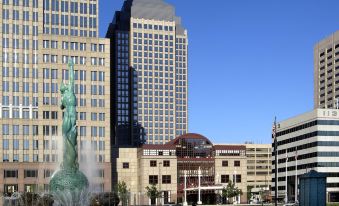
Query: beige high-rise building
<point x="326" y="75"/>
<point x="259" y="166"/>
<point x="37" y="39"/>
<point x="149" y="50"/>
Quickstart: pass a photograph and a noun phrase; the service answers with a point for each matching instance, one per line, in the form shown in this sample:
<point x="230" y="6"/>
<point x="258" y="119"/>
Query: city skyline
<point x="272" y="32"/>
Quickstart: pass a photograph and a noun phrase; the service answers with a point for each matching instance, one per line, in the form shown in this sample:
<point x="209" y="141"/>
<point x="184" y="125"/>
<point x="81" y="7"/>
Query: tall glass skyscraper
<point x="37" y="38"/>
<point x="149" y="72"/>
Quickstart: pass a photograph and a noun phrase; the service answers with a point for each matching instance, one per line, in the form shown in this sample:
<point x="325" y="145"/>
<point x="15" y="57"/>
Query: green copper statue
<point x="69" y="130"/>
<point x="69" y="180"/>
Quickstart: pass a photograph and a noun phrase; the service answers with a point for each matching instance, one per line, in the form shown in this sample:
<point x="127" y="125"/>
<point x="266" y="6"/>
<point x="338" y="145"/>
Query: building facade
<point x="259" y="165"/>
<point x="326" y="76"/>
<point x="307" y="142"/>
<point x="37" y="39"/>
<point x="149" y="73"/>
<point x="170" y="164"/>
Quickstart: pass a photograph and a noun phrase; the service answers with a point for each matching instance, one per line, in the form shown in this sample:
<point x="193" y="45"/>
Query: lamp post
<point x="185" y="192"/>
<point x="199" y="189"/>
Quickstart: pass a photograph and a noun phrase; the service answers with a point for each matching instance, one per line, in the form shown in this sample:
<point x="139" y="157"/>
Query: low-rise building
<point x="189" y="157"/>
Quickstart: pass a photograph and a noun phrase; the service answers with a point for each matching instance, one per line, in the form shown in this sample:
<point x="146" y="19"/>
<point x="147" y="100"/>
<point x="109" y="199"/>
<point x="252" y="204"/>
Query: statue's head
<point x="63" y="88"/>
<point x="70" y="62"/>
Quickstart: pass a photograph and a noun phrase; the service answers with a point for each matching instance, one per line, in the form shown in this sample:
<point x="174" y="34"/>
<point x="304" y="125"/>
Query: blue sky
<point x="248" y="61"/>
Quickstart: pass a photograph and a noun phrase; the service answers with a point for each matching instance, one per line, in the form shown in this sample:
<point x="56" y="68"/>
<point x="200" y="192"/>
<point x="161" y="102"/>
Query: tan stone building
<point x="326" y="77"/>
<point x="37" y="39"/>
<point x="168" y="165"/>
<point x="231" y="165"/>
<point x="259" y="165"/>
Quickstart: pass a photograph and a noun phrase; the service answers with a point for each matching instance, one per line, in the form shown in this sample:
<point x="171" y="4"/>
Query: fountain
<point x="69" y="186"/>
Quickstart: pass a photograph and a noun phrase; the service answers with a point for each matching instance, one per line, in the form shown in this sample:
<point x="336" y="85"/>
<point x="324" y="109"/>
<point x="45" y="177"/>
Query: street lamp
<point x="185" y="192"/>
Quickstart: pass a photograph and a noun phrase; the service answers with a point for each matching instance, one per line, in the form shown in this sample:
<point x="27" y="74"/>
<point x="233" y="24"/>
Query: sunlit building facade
<point x="326" y="76"/>
<point x="37" y="39"/>
<point x="307" y="142"/>
<point x="168" y="165"/>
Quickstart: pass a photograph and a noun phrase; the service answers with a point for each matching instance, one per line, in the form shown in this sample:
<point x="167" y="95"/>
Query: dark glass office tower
<point x="149" y="73"/>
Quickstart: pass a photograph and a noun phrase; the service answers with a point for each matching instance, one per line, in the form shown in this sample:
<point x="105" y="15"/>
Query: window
<point x="101" y="48"/>
<point x="166" y="179"/>
<point x="47" y="173"/>
<point x="166" y="163"/>
<point x="225" y="178"/>
<point x="5" y="144"/>
<point x="236" y="163"/>
<point x="26" y="158"/>
<point x="16" y="144"/>
<point x="5" y="129"/>
<point x="11" y="174"/>
<point x="35" y="130"/>
<point x="125" y="165"/>
<point x="225" y="163"/>
<point x="153" y="163"/>
<point x="46" y="158"/>
<point x="237" y="179"/>
<point x="15" y="129"/>
<point x="31" y="173"/>
<point x="5" y="158"/>
<point x="153" y="179"/>
<point x="26" y="144"/>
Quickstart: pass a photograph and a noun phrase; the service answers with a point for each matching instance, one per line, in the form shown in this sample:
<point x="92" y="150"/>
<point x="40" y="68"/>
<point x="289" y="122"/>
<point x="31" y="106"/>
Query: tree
<point x="230" y="191"/>
<point x="152" y="193"/>
<point x="122" y="193"/>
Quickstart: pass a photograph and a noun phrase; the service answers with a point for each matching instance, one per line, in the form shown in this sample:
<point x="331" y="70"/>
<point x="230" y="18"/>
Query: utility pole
<point x="296" y="175"/>
<point x="286" y="195"/>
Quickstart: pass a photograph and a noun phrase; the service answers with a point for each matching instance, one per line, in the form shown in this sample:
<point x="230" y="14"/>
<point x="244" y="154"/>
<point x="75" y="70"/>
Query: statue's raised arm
<point x="71" y="74"/>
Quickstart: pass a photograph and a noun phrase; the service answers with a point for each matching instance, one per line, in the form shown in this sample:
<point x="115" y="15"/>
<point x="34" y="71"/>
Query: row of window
<point x="307" y="156"/>
<point x="156" y="55"/>
<point x="51" y="130"/>
<point x="73" y="32"/>
<point x="26" y="29"/>
<point x="74" y="21"/>
<point x="25" y="158"/>
<point x="224" y="163"/>
<point x="73" y="7"/>
<point x="95" y="145"/>
<point x="24" y="3"/>
<point x="16" y="44"/>
<point x="151" y="48"/>
<point x="16" y="144"/>
<point x="16" y="72"/>
<point x="153" y="179"/>
<point x="153" y="27"/>
<point x="226" y="178"/>
<point x="75" y="46"/>
<point x="16" y="59"/>
<point x="307" y="136"/>
<point x="76" y="60"/>
<point x="307" y="166"/>
<point x="27" y="173"/>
